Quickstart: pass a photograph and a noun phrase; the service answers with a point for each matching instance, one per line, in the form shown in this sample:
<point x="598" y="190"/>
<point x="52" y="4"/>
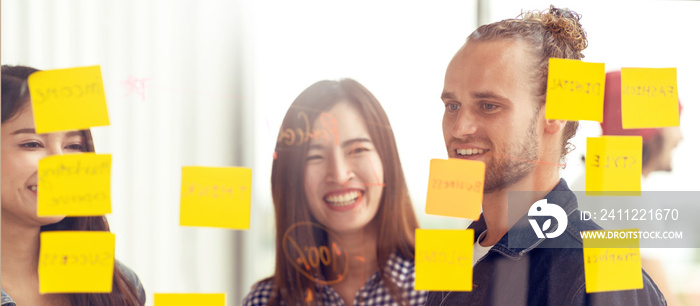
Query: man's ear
<point x="552" y="126"/>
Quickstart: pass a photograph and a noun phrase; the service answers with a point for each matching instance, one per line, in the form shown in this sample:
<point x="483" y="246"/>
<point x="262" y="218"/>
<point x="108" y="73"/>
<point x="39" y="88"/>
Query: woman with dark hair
<point x="345" y="223"/>
<point x="22" y="148"/>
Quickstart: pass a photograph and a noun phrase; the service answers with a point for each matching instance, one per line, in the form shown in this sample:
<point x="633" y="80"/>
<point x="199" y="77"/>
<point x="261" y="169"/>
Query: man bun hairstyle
<point x="564" y="27"/>
<point x="550" y="33"/>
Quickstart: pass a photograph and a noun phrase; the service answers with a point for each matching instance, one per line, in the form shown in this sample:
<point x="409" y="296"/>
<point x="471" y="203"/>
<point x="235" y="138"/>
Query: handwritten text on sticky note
<point x="444" y="259"/>
<point x="187" y="299"/>
<point x="74" y="185"/>
<point x="614" y="165"/>
<point x="76" y="261"/>
<point x="649" y="98"/>
<point x="216" y="197"/>
<point x="455" y="188"/>
<point x="611" y="260"/>
<point x="575" y="90"/>
<point x="68" y="99"/>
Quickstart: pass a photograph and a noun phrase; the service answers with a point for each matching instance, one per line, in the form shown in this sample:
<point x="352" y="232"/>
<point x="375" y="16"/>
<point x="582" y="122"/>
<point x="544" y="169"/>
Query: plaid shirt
<point x="373" y="293"/>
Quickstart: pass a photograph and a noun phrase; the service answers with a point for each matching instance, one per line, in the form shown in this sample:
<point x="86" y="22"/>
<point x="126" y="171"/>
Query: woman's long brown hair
<point x="395" y="217"/>
<point x="15" y="94"/>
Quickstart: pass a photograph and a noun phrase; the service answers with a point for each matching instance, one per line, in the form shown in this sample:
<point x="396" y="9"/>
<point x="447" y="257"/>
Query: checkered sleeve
<point x="373" y="293"/>
<point x="407" y="270"/>
<point x="259" y="295"/>
<point x="403" y="274"/>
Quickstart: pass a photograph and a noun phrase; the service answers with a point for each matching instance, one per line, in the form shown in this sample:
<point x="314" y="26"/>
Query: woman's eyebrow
<point x="74" y="133"/>
<point x="355" y="140"/>
<point x="24" y="131"/>
<point x="315" y="147"/>
<point x="345" y="143"/>
<point x="33" y="131"/>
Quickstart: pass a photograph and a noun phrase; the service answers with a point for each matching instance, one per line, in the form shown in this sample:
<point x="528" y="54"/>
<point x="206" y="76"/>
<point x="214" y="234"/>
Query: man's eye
<point x="489" y="106"/>
<point x="31" y="145"/>
<point x="452" y="106"/>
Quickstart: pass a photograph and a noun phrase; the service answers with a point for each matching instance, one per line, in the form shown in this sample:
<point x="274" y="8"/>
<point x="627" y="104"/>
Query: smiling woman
<point x="345" y="223"/>
<point x="22" y="148"/>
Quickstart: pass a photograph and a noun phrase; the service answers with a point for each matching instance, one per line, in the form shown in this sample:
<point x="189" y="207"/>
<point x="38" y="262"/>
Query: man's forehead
<point x="500" y="61"/>
<point x="493" y="51"/>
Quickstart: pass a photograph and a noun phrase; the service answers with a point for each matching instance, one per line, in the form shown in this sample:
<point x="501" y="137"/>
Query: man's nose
<point x="464" y="125"/>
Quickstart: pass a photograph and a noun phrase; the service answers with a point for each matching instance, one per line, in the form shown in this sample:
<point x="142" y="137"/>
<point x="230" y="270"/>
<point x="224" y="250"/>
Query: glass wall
<point x="208" y="83"/>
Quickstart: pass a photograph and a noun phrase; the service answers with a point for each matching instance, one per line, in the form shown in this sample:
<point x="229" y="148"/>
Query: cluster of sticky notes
<point x="62" y="100"/>
<point x="575" y="90"/>
<point x="444" y="259"/>
<point x="614" y="165"/>
<point x="215" y="197"/>
<point x="76" y="261"/>
<point x="187" y="299"/>
<point x="649" y="98"/>
<point x="74" y="185"/>
<point x="612" y="260"/>
<point x="455" y="188"/>
<point x="68" y="99"/>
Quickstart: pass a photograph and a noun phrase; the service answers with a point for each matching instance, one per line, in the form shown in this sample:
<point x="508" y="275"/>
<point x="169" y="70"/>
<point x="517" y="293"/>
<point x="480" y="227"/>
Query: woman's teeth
<point x="32" y="188"/>
<point x="342" y="199"/>
<point x="467" y="152"/>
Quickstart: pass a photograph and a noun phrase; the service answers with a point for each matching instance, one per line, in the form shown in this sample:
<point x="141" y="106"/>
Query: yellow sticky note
<point x="575" y="90"/>
<point x="614" y="165"/>
<point x="74" y="185"/>
<point x="649" y="98"/>
<point x="216" y="197"/>
<point x="68" y="99"/>
<point x="455" y="188"/>
<point x="187" y="299"/>
<point x="612" y="263"/>
<point x="76" y="262"/>
<point x="444" y="259"/>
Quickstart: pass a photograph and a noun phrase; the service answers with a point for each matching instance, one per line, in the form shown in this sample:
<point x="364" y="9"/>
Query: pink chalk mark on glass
<point x="267" y="122"/>
<point x="136" y="86"/>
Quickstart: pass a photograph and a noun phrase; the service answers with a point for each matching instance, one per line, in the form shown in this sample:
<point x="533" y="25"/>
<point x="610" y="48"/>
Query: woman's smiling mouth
<point x="343" y="200"/>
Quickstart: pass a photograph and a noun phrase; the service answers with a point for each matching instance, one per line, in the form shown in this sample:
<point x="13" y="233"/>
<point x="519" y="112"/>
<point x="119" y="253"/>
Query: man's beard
<point x="516" y="161"/>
